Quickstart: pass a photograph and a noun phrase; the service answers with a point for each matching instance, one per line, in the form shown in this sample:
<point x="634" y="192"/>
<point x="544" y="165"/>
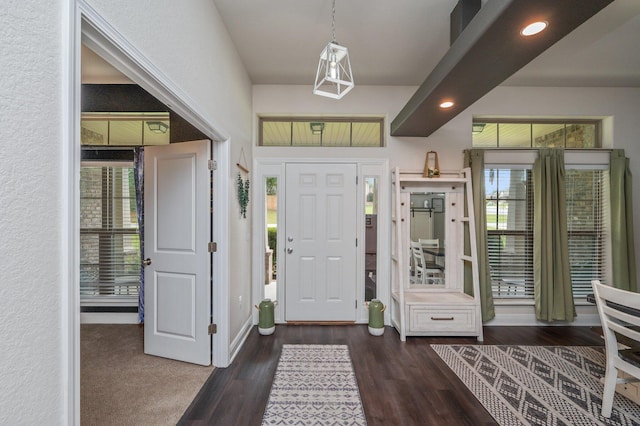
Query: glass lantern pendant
<point x="334" y="78"/>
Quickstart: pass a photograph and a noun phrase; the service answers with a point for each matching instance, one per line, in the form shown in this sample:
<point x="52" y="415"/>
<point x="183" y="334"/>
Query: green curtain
<point x="622" y="245"/>
<point x="474" y="159"/>
<point x="551" y="272"/>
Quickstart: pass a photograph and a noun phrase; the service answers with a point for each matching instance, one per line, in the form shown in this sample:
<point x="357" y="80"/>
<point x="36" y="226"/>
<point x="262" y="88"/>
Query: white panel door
<point x="320" y="234"/>
<point x="177" y="233"/>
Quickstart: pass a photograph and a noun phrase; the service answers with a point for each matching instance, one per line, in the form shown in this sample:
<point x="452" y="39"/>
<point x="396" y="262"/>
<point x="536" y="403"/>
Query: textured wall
<point x="186" y="41"/>
<point x="30" y="212"/>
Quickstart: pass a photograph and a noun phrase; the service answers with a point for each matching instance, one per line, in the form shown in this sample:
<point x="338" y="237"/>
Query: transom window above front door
<point x="321" y="131"/>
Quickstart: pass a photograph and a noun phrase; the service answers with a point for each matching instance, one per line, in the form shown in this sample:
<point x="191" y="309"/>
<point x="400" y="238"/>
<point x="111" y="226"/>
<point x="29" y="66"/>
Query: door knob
<point x="289" y="250"/>
<point x="290" y="238"/>
<point x="146" y="262"/>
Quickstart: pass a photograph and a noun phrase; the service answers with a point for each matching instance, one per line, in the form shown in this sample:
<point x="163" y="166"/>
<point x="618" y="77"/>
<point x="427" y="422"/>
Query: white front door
<point x="320" y="242"/>
<point x="177" y="232"/>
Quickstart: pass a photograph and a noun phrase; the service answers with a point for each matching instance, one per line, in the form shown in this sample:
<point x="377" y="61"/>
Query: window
<point x="324" y="132"/>
<point x="125" y="129"/>
<point x="509" y="204"/>
<point x="587" y="224"/>
<point x="509" y="211"/>
<point x="109" y="237"/>
<point x="536" y="134"/>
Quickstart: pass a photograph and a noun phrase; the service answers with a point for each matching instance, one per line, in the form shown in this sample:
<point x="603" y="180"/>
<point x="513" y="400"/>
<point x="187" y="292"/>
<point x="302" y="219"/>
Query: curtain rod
<point x="537" y="149"/>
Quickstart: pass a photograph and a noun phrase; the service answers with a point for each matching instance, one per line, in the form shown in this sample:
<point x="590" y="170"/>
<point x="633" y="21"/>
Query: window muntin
<point x="536" y="134"/>
<point x="325" y="132"/>
<point x="109" y="237"/>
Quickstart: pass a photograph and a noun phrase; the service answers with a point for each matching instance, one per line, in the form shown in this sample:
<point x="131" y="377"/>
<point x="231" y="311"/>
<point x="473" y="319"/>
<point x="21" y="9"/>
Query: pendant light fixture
<point x="333" y="78"/>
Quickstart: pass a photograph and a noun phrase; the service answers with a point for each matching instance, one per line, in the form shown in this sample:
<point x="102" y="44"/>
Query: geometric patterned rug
<point x="314" y="385"/>
<point x="538" y="385"/>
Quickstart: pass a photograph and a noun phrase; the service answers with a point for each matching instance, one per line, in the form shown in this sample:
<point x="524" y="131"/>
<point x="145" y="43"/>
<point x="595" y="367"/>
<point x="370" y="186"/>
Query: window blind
<point x="509" y="211"/>
<point x="109" y="237"/>
<point x="587" y="225"/>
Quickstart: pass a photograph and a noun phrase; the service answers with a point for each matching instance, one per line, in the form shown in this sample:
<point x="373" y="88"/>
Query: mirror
<point x="427" y="235"/>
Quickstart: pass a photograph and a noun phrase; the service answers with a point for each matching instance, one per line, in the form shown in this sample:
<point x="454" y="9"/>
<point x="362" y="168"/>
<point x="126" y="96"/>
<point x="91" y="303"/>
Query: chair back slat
<point x="619" y="312"/>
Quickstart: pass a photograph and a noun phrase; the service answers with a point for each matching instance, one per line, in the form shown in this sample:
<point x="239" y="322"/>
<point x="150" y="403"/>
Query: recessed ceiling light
<point x="446" y="104"/>
<point x="534" y="28"/>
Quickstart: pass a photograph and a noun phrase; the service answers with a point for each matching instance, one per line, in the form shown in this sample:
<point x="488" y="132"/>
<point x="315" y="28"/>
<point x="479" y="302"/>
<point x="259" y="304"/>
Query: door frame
<point x="83" y="24"/>
<point x="276" y="167"/>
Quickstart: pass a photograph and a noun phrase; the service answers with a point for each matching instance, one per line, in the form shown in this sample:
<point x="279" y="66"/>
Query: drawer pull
<point x="441" y="319"/>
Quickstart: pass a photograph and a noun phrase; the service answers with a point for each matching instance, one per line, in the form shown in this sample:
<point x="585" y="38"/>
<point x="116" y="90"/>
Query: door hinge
<point x="213" y="247"/>
<point x="213" y="328"/>
<point x="213" y="165"/>
<point x="356" y="180"/>
<point x="356" y="303"/>
<point x="356" y="242"/>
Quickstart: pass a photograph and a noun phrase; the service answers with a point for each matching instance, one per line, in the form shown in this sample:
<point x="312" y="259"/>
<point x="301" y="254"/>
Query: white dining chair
<point x="423" y="273"/>
<point x="433" y="243"/>
<point x="618" y="310"/>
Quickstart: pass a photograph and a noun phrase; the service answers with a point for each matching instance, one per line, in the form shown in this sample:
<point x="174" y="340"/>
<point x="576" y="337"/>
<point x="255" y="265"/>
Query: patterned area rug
<point x="538" y="385"/>
<point x="314" y="385"/>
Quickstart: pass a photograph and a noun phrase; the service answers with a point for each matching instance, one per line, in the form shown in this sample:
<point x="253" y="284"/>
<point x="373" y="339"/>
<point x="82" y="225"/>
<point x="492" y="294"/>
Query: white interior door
<point x="177" y="233"/>
<point x="320" y="242"/>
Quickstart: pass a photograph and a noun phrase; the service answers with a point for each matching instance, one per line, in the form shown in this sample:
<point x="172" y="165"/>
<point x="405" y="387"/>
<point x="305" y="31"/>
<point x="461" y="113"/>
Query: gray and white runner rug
<point x="314" y="385"/>
<point x="538" y="385"/>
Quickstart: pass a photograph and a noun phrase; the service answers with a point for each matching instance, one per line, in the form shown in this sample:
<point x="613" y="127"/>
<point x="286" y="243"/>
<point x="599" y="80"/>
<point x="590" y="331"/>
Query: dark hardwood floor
<point x="400" y="383"/>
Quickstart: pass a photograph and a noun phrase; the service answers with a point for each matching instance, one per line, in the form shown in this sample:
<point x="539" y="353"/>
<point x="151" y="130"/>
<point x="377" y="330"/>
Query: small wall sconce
<point x="157" y="126"/>
<point x="316" y="128"/>
<point x="431" y="165"/>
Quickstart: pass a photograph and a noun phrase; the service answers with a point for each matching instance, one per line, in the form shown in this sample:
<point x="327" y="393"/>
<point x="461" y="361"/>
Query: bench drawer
<point x="442" y="320"/>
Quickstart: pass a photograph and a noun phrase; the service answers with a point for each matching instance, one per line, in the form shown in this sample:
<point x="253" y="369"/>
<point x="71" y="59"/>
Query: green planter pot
<point x="376" y="317"/>
<point x="266" y="322"/>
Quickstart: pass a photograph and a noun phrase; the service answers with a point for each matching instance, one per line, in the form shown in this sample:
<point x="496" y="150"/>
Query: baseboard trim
<point x="584" y="320"/>
<point x="237" y="343"/>
<point x="320" y="323"/>
<point x="108" y="318"/>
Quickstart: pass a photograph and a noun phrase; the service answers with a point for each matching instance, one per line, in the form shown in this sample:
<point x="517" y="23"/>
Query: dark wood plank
<point x="400" y="383"/>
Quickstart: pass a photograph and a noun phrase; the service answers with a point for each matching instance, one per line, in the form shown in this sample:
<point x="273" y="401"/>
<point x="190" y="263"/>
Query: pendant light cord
<point x="333" y="21"/>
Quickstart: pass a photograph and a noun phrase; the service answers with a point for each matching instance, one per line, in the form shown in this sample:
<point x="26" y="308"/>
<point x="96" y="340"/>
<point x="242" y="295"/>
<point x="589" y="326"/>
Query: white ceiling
<point x="398" y="42"/>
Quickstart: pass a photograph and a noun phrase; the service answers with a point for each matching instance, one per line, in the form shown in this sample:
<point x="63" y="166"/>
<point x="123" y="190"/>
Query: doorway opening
<point x="92" y="30"/>
<point x="275" y="209"/>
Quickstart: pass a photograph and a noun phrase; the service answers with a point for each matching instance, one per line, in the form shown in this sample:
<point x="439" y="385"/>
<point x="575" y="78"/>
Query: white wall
<point x="31" y="329"/>
<point x="621" y="107"/>
<point x="189" y="43"/>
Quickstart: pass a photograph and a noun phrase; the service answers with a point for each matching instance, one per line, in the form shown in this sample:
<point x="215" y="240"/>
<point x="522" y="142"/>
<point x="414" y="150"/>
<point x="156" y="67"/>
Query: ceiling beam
<point x="487" y="52"/>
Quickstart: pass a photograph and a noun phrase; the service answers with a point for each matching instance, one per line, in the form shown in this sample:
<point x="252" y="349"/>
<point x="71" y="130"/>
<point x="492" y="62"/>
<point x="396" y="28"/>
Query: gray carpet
<point x="538" y="385"/>
<point x="120" y="385"/>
